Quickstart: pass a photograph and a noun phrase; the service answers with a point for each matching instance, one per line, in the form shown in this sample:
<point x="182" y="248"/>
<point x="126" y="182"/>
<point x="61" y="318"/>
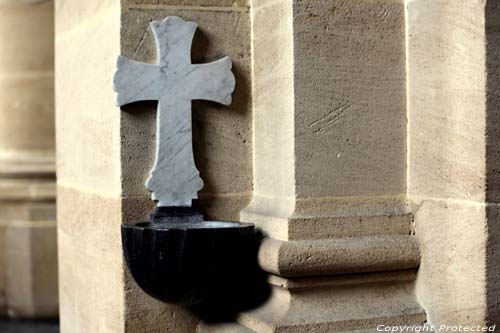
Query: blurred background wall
<point x="28" y="243"/>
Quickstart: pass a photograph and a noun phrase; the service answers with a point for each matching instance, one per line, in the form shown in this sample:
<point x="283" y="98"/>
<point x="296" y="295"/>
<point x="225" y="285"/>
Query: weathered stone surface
<point x="329" y="144"/>
<point x="93" y="122"/>
<point x="453" y="157"/>
<point x="350" y="98"/>
<point x="92" y="292"/>
<point x="91" y="289"/>
<point x="337" y="306"/>
<point x="273" y="107"/>
<point x="447" y="100"/>
<point x="330" y="151"/>
<point x="325" y="217"/>
<point x="73" y="14"/>
<point x="451" y="281"/>
<point x="174" y="81"/>
<point x="338" y="256"/>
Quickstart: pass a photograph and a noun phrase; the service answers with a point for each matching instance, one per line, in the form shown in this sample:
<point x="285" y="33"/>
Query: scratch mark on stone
<point x="324" y="123"/>
<point x="141" y="41"/>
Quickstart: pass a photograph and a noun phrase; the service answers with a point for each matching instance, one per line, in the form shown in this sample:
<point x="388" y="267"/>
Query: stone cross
<point x="174" y="82"/>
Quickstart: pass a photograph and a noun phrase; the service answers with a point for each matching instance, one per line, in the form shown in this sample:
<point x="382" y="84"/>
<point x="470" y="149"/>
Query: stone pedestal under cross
<point x="174" y="82"/>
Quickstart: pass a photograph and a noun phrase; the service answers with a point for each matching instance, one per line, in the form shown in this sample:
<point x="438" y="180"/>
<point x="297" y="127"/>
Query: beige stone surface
<point x="91" y="282"/>
<point x="91" y="271"/>
<point x="329" y="105"/>
<point x="451" y="281"/>
<point x="350" y="98"/>
<point x="453" y="155"/>
<point x="447" y="100"/>
<point x="326" y="217"/>
<point x="338" y="256"/>
<point x="337" y="308"/>
<point x="88" y="137"/>
<point x="339" y="280"/>
<point x="273" y="102"/>
<point x="80" y="14"/>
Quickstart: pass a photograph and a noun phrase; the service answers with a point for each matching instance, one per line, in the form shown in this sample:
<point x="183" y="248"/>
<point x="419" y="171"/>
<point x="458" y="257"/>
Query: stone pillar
<point x="28" y="258"/>
<point x="330" y="186"/>
<point x="454" y="101"/>
<point x="105" y="154"/>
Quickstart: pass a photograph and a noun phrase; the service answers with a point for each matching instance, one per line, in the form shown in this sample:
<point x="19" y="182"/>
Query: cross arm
<point x="213" y="81"/>
<point x="135" y="81"/>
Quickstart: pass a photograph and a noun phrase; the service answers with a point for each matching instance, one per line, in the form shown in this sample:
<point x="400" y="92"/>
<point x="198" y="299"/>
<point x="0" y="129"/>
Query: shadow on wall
<point x="222" y="136"/>
<point x="245" y="289"/>
<point x="248" y="287"/>
<point x="492" y="21"/>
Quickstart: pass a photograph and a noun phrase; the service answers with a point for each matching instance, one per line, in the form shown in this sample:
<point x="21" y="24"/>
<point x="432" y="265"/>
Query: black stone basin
<point x="179" y="258"/>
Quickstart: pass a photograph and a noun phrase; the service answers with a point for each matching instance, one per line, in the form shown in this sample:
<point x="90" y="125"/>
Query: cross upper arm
<point x="173" y="38"/>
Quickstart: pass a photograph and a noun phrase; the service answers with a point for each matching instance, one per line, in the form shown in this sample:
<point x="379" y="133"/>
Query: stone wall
<point x="100" y="183"/>
<point x="360" y="141"/>
<point x="453" y="159"/>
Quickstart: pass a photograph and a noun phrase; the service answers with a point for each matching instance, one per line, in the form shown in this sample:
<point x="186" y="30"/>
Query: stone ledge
<point x="337" y="308"/>
<point x="338" y="256"/>
<point x="222" y="328"/>
<point x="329" y="217"/>
<point x="343" y="280"/>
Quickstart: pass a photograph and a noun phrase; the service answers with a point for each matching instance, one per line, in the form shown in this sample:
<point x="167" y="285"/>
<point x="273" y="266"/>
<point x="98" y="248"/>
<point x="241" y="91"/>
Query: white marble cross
<point x="174" y="82"/>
